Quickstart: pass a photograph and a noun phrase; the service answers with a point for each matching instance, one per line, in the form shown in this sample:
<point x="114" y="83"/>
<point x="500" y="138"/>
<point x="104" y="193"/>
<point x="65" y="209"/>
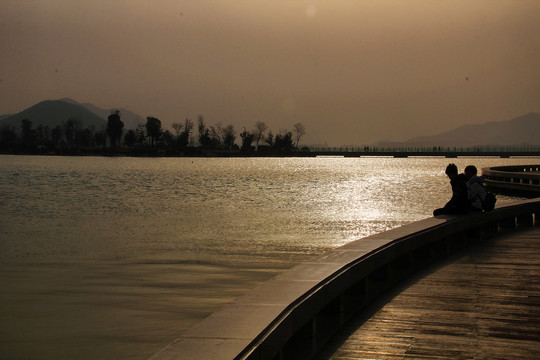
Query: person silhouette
<point x="475" y="187"/>
<point x="459" y="203"/>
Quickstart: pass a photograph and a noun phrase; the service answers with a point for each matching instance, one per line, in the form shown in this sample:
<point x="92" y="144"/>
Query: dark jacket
<point x="460" y="197"/>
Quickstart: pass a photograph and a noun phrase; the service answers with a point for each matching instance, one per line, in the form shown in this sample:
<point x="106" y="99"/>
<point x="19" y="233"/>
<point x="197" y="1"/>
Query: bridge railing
<point x="294" y="314"/>
<point x="425" y="149"/>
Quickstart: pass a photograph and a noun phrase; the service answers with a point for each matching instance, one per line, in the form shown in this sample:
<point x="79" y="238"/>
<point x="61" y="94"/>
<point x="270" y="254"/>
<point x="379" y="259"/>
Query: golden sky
<point x="352" y="71"/>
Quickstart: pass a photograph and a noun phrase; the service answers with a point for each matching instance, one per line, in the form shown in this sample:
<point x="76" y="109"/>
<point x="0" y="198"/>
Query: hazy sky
<point x="352" y="71"/>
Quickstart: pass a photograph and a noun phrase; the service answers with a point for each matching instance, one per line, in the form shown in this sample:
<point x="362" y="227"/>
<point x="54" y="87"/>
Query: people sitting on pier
<point x="459" y="203"/>
<point x="475" y="188"/>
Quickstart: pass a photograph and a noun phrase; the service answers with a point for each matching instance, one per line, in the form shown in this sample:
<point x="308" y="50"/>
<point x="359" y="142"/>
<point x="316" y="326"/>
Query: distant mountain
<point x="523" y="130"/>
<point x="129" y="118"/>
<point x="52" y="113"/>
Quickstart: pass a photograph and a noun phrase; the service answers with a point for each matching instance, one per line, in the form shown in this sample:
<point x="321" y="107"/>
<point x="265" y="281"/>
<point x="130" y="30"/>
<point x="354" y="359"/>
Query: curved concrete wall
<point x="292" y="315"/>
<point x="520" y="179"/>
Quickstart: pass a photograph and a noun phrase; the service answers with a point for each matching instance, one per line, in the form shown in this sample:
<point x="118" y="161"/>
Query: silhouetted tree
<point x="57" y="135"/>
<point x="217" y="136"/>
<point x="299" y="131"/>
<point x="72" y="130"/>
<point x="260" y="128"/>
<point x="177" y="128"/>
<point x="131" y="138"/>
<point x="247" y="141"/>
<point x="100" y="138"/>
<point x="270" y="139"/>
<point x="283" y="142"/>
<point x="47" y="132"/>
<point x="201" y="126"/>
<point x="7" y="133"/>
<point x="216" y="133"/>
<point x="141" y="133"/>
<point x="43" y="133"/>
<point x="222" y="137"/>
<point x="77" y="130"/>
<point x="44" y="137"/>
<point x="205" y="140"/>
<point x="8" y="138"/>
<point x="166" y="139"/>
<point x="85" y="137"/>
<point x="115" y="127"/>
<point x="228" y="137"/>
<point x="153" y="129"/>
<point x="183" y="137"/>
<point x="28" y="134"/>
<point x="69" y="130"/>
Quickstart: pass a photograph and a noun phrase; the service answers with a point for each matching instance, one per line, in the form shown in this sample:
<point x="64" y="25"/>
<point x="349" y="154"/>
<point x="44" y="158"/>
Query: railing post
<point x="508" y="223"/>
<point x="490" y="229"/>
<point x="377" y="282"/>
<point x="525" y="220"/>
<point x="354" y="297"/>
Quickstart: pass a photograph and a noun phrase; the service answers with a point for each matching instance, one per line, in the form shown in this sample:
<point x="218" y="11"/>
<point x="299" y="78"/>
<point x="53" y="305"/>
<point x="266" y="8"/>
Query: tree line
<point x="189" y="138"/>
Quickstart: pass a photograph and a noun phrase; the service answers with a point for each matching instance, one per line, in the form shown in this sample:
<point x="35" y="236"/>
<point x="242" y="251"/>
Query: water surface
<point x="113" y="258"/>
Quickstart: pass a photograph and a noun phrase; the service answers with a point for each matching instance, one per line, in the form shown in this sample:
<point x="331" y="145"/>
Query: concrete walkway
<point x="482" y="303"/>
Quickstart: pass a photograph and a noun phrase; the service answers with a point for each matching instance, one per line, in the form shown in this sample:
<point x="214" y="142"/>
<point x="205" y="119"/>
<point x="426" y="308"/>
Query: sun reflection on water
<point x="151" y="246"/>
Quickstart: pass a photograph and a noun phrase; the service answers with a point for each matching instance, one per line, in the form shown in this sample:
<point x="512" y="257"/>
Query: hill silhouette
<point x="52" y="113"/>
<point x="129" y="118"/>
<point x="523" y="130"/>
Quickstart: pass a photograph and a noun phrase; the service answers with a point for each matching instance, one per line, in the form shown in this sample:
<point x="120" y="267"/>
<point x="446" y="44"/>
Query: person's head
<point x="451" y="171"/>
<point x="470" y="171"/>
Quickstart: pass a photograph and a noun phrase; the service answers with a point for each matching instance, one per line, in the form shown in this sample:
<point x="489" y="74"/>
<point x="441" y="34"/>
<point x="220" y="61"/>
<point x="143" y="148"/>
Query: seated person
<point x="459" y="203"/>
<point x="475" y="187"/>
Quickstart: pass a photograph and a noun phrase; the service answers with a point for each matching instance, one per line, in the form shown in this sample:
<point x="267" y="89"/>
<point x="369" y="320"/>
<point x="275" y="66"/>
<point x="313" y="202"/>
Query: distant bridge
<point x="404" y="152"/>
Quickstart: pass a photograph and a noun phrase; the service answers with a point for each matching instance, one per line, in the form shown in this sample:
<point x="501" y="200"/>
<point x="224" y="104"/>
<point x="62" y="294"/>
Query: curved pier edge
<point x="517" y="179"/>
<point x="292" y="315"/>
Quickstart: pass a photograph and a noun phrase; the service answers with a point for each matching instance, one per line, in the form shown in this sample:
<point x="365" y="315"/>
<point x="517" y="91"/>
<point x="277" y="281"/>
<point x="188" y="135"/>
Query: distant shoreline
<point x="502" y="152"/>
<point x="161" y="153"/>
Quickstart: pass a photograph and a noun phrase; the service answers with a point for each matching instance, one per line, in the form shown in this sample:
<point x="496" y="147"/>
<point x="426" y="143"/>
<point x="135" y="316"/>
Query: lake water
<point x="114" y="258"/>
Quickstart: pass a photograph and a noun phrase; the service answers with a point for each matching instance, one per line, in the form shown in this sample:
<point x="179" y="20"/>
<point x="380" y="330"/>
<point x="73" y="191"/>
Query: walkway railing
<point x="423" y="149"/>
<point x="294" y="314"/>
<point x="521" y="179"/>
<point x="450" y="152"/>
